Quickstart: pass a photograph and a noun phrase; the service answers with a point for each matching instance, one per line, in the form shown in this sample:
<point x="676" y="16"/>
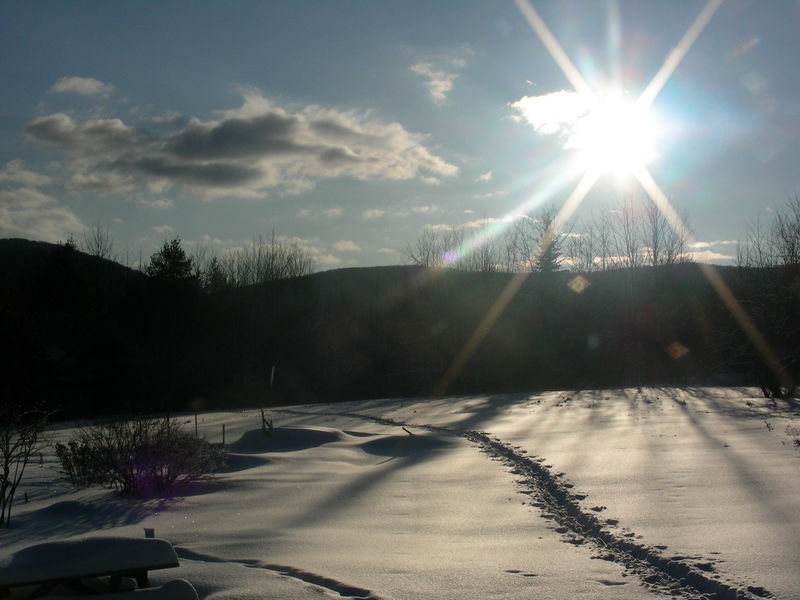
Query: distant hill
<point x="19" y="256"/>
<point x="93" y="337"/>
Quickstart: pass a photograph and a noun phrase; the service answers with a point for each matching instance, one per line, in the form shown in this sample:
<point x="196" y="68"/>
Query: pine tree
<point x="171" y="264"/>
<point x="549" y="257"/>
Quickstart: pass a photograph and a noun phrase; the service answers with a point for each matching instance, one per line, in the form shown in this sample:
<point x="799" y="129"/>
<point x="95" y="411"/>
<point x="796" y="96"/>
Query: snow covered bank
<point x="610" y="494"/>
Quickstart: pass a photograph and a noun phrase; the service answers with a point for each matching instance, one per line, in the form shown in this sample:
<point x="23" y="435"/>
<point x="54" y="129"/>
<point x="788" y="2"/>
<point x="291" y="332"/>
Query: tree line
<point x="631" y="234"/>
<point x="263" y="259"/>
<point x="189" y="330"/>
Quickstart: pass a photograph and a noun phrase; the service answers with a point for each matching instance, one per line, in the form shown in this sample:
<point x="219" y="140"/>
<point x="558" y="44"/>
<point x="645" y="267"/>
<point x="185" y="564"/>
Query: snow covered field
<point x="597" y="494"/>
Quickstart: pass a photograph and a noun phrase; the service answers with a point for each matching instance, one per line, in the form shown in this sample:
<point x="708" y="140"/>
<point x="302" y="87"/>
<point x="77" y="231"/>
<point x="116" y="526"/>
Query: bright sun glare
<point x="614" y="135"/>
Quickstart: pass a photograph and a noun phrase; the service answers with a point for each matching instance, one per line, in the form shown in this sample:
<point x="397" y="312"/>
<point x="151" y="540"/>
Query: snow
<point x="593" y="494"/>
<point x="89" y="556"/>
<point x="177" y="589"/>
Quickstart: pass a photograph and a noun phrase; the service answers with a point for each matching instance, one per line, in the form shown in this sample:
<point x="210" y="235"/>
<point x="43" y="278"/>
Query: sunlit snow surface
<point x="343" y="502"/>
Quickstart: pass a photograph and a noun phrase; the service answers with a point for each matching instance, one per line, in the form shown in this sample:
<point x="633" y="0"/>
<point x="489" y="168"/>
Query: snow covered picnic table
<point x="69" y="562"/>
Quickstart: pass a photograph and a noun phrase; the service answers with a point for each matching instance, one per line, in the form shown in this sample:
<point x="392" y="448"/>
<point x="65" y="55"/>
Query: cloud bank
<point x="247" y="152"/>
<point x="28" y="212"/>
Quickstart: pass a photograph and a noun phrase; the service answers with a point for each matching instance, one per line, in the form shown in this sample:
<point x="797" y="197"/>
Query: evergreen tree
<point x="171" y="264"/>
<point x="548" y="259"/>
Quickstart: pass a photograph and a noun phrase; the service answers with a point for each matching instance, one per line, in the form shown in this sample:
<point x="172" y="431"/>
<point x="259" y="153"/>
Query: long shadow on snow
<point x="346" y="495"/>
<point x="748" y="477"/>
<point x="73" y="517"/>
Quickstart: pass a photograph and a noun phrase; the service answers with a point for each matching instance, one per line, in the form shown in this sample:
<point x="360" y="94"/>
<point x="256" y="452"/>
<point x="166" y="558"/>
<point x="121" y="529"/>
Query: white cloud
<point x="209" y="240"/>
<point x="477" y="223"/>
<point x="438" y="81"/>
<point x="24" y="197"/>
<point x="245" y="153"/>
<point x="84" y="86"/>
<point x="346" y="246"/>
<point x="162" y="229"/>
<point x="373" y="213"/>
<point x="713" y="251"/>
<point x="495" y="194"/>
<point x="714" y="243"/>
<point x="14" y="172"/>
<point x="552" y="114"/>
<point x="328" y="260"/>
<point x="50" y="224"/>
<point x="485" y="177"/>
<point x="426" y="209"/>
<point x="330" y="213"/>
<point x="156" y="203"/>
<point x="29" y="213"/>
<point x="387" y="251"/>
<point x="707" y="256"/>
<point x="480" y="222"/>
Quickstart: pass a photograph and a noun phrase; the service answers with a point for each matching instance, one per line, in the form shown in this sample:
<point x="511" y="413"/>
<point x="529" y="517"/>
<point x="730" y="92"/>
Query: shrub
<point x="139" y="456"/>
<point x="20" y="437"/>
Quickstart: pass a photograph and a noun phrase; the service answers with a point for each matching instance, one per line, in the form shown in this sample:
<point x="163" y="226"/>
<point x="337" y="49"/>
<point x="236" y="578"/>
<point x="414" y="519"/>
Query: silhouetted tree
<point x="769" y="261"/>
<point x="20" y="437"/>
<point x="97" y="242"/>
<point x="214" y="278"/>
<point x="549" y="253"/>
<point x="266" y="259"/>
<point x="171" y="264"/>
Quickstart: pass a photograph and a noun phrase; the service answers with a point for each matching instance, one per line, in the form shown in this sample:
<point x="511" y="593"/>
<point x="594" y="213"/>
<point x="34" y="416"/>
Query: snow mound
<point x="242" y="462"/>
<point x="405" y="445"/>
<point x="285" y="439"/>
<point x="85" y="556"/>
<point x="359" y="434"/>
<point x="178" y="589"/>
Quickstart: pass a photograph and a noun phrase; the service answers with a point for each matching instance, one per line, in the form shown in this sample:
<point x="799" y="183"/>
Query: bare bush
<point x="138" y="456"/>
<point x="20" y="438"/>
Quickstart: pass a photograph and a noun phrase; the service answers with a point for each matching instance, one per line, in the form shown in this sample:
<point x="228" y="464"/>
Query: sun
<point x="614" y="135"/>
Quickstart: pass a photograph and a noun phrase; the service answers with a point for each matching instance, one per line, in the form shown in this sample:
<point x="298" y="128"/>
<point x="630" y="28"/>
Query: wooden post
<point x="195" y="425"/>
<point x="223" y="435"/>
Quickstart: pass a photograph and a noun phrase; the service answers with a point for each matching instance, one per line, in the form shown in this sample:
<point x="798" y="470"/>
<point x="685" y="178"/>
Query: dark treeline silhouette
<point x="88" y="336"/>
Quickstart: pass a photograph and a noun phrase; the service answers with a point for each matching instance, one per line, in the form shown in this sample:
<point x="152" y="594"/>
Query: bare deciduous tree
<point x="97" y="241"/>
<point x="665" y="242"/>
<point x="770" y="261"/>
<point x="20" y="438"/>
<point x="265" y="259"/>
<point x="627" y="235"/>
<point x="428" y="250"/>
<point x="482" y="256"/>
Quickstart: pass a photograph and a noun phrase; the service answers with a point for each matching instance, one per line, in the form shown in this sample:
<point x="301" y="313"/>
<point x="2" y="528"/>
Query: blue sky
<point x="351" y="126"/>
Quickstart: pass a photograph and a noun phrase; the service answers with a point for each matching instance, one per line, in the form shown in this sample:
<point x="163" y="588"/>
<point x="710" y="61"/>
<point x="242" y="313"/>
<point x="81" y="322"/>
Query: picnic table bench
<point x="70" y="562"/>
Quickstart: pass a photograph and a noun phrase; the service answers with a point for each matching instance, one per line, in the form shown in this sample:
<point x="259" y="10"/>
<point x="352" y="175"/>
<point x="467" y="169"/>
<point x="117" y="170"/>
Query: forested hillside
<point x="89" y="336"/>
